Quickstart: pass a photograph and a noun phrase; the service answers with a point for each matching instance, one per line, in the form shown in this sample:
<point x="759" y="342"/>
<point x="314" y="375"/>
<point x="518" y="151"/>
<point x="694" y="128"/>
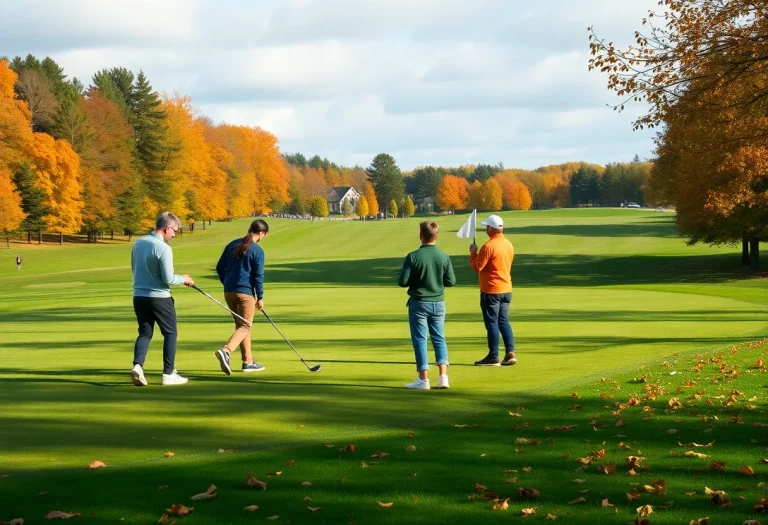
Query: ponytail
<point x="244" y="245"/>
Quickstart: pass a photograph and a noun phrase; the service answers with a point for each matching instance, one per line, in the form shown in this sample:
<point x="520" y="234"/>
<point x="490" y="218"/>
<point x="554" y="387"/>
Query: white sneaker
<point x="419" y="384"/>
<point x="137" y="376"/>
<point x="442" y="382"/>
<point x="174" y="379"/>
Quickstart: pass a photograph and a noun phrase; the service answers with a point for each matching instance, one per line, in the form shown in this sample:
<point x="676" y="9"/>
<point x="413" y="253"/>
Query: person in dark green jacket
<point x="426" y="272"/>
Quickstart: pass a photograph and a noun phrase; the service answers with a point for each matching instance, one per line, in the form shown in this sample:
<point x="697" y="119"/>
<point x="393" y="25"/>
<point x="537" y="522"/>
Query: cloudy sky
<point x="441" y="82"/>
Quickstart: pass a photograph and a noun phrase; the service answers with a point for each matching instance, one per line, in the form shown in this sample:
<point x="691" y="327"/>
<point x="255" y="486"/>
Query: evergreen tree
<point x="130" y="208"/>
<point x="296" y="159"/>
<point x="386" y="179"/>
<point x="316" y="163"/>
<point x="32" y="200"/>
<point x="148" y="124"/>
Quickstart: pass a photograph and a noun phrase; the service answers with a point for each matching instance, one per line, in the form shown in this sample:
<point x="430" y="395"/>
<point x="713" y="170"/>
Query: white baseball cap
<point x="494" y="221"/>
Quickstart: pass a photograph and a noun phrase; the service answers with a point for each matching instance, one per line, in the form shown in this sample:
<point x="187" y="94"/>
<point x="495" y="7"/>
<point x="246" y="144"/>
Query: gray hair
<point x="166" y="219"/>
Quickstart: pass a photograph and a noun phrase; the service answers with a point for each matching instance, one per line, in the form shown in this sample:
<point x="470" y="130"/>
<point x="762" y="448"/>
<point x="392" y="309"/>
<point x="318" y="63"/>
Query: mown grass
<point x="599" y="293"/>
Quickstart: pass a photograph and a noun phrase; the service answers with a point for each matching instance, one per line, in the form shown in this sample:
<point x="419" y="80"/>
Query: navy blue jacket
<point x="244" y="275"/>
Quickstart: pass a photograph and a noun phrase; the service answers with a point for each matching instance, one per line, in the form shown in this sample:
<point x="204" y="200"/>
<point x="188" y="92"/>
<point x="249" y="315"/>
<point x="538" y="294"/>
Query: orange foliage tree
<point x="15" y="122"/>
<point x="475" y="196"/>
<point x="370" y="196"/>
<point x="491" y="195"/>
<point x="452" y="193"/>
<point x="10" y="205"/>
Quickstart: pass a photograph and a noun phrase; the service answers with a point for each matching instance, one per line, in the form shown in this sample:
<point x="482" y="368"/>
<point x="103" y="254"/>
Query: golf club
<point x="209" y="296"/>
<point x="212" y="298"/>
<point x="311" y="369"/>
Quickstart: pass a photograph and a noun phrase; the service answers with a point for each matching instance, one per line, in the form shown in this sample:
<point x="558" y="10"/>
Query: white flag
<point x="467" y="231"/>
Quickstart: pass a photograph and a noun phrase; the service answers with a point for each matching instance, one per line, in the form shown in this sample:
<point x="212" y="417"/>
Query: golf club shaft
<point x="223" y="305"/>
<point x="285" y="338"/>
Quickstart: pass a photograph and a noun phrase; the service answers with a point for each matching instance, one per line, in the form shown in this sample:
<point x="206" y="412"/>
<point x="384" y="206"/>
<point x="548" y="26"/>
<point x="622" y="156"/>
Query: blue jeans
<point x="495" y="307"/>
<point x="423" y="316"/>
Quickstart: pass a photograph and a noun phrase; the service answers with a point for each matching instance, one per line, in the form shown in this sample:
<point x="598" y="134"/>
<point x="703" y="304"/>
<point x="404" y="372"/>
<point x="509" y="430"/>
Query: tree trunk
<point x="39" y="237"/>
<point x="745" y="252"/>
<point x="29" y="237"/>
<point x="111" y="235"/>
<point x="61" y="239"/>
<point x="754" y="255"/>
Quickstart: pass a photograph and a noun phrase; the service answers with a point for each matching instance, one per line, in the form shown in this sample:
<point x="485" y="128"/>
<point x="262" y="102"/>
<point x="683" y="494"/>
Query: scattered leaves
<point x="606" y="503"/>
<point x="716" y="497"/>
<point x="410" y="448"/>
<point x="657" y="486"/>
<point x="351" y="448"/>
<point x="208" y="494"/>
<point x="168" y="454"/>
<point x="747" y="471"/>
<point x="306" y="483"/>
<point x="380" y="454"/>
<point x="528" y="493"/>
<point x="58" y="515"/>
<point x="527" y="512"/>
<point x="251" y="508"/>
<point x="502" y="504"/>
<point x="693" y="454"/>
<point x="315" y="509"/>
<point x="608" y="469"/>
<point x="577" y="501"/>
<point x="179" y="510"/>
<point x="551" y="517"/>
<point x="255" y="483"/>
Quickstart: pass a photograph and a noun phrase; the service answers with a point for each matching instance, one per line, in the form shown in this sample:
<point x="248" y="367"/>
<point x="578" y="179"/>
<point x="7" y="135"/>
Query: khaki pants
<point x="244" y="305"/>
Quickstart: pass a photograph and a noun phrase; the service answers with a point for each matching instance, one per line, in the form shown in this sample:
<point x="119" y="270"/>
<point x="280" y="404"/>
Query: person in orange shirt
<point x="493" y="263"/>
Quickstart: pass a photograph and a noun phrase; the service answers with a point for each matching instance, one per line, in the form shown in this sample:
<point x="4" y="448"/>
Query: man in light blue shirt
<point x="152" y="267"/>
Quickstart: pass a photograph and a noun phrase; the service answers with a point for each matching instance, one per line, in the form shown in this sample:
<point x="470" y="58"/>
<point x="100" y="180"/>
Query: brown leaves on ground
<point x="410" y="448"/>
<point x="606" y="503"/>
<point x="500" y="504"/>
<point x="608" y="469"/>
<point x="208" y="494"/>
<point x="719" y="466"/>
<point x="290" y="463"/>
<point x="380" y="454"/>
<point x="551" y="517"/>
<point x="644" y="511"/>
<point x="634" y="495"/>
<point x="577" y="501"/>
<point x="17" y="521"/>
<point x="527" y="469"/>
<point x="528" y="493"/>
<point x="350" y="448"/>
<point x="179" y="510"/>
<point x="700" y="521"/>
<point x="97" y="464"/>
<point x="527" y="512"/>
<point x="511" y="481"/>
<point x="58" y="515"/>
<point x="255" y="483"/>
<point x="274" y="474"/>
<point x="762" y="505"/>
<point x="226" y="451"/>
<point x="696" y="445"/>
<point x="656" y="486"/>
<point x="515" y="414"/>
<point x="314" y="509"/>
<point x="598" y="453"/>
<point x="251" y="508"/>
<point x="490" y="495"/>
<point x="693" y="454"/>
<point x="385" y="505"/>
<point x="717" y="497"/>
<point x="168" y="454"/>
<point x="746" y="470"/>
<point x="479" y="489"/>
<point x="633" y="462"/>
<point x="674" y="403"/>
<point x="584" y="461"/>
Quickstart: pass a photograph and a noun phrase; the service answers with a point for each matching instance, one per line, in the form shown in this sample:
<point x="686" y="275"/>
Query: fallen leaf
<point x="605" y="503"/>
<point x="208" y="494"/>
<point x="693" y="454"/>
<point x="515" y="414"/>
<point x="579" y="480"/>
<point x="500" y="504"/>
<point x="97" y="464"/>
<point x="161" y="487"/>
<point x="620" y="423"/>
<point x="645" y="510"/>
<point x="527" y="469"/>
<point x="551" y="517"/>
<point x="691" y="493"/>
<point x="306" y="483"/>
<point x="327" y="445"/>
<point x="307" y="499"/>
<point x="762" y="505"/>
<point x="385" y="505"/>
<point x="410" y="448"/>
<point x="657" y="486"/>
<point x="351" y="448"/>
<point x="315" y="509"/>
<point x="631" y="496"/>
<point x="585" y="491"/>
<point x="747" y="471"/>
<point x="718" y="466"/>
<point x="251" y="508"/>
<point x="598" y="453"/>
<point x="169" y="454"/>
<point x="380" y="454"/>
<point x="700" y="521"/>
<point x="716" y="497"/>
<point x="608" y="469"/>
<point x="255" y="483"/>
<point x="410" y="434"/>
<point x="672" y="431"/>
<point x="511" y="481"/>
<point x="17" y="521"/>
<point x="577" y="501"/>
<point x="527" y="512"/>
<point x="480" y="488"/>
<point x="179" y="510"/>
<point x="290" y="463"/>
<point x="634" y="461"/>
<point x="273" y="518"/>
<point x="491" y="495"/>
<point x="226" y="451"/>
<point x="750" y="522"/>
<point x="274" y="474"/>
<point x="526" y="441"/>
<point x="528" y="493"/>
<point x="58" y="515"/>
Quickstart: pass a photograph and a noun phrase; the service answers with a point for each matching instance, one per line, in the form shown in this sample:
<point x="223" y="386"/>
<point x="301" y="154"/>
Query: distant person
<point x="493" y="263"/>
<point x="18" y="262"/>
<point x="426" y="272"/>
<point x="152" y="266"/>
<point x="241" y="271"/>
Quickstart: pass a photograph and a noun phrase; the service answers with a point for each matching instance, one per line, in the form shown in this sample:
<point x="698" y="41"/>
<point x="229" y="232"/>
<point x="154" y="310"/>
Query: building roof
<point x="336" y="193"/>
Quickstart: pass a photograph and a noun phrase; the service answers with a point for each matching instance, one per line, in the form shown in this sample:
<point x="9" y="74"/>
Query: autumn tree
<point x="347" y="209"/>
<point x="703" y="70"/>
<point x="392" y="208"/>
<point x="491" y="195"/>
<point x="11" y="214"/>
<point x="452" y="193"/>
<point x="475" y="196"/>
<point x="319" y="207"/>
<point x="386" y="179"/>
<point x="408" y="208"/>
<point x="361" y="208"/>
<point x="370" y="196"/>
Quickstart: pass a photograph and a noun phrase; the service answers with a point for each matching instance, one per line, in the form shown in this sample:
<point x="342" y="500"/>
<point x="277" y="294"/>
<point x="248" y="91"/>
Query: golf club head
<point x="315" y="368"/>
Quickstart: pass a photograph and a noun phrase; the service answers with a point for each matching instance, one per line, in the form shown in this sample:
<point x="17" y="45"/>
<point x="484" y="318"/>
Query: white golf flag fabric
<point x="467" y="230"/>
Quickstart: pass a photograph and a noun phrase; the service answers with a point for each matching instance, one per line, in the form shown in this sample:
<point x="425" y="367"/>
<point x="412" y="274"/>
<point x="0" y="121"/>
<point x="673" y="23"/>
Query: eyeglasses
<point x="174" y="230"/>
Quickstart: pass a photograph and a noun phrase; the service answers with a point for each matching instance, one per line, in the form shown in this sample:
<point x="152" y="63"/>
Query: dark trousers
<point x="495" y="308"/>
<point x="151" y="310"/>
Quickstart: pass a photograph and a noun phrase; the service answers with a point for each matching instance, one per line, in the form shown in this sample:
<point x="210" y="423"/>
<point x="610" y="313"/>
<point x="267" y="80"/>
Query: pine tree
<point x="386" y="179"/>
<point x="32" y="200"/>
<point x="130" y="208"/>
<point x="148" y="123"/>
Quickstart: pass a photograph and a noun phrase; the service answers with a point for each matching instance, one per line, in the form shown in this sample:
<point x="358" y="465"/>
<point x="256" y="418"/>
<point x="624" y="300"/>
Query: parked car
<point x="633" y="205"/>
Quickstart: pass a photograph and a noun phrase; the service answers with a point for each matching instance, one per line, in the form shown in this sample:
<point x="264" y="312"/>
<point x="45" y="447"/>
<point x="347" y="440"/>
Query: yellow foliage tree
<point x="11" y="214"/>
<point x="57" y="173"/>
<point x="475" y="197"/>
<point x="361" y="209"/>
<point x="452" y="193"/>
<point x="15" y="122"/>
<point x="491" y="195"/>
<point x="370" y="196"/>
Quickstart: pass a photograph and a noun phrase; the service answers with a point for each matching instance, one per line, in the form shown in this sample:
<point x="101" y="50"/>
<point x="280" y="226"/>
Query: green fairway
<point x="598" y="293"/>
